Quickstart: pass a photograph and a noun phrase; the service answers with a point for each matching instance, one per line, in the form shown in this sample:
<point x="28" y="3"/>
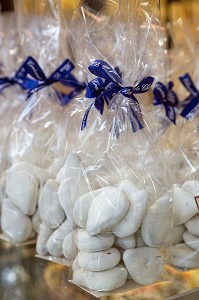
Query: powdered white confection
<point x="184" y="206"/>
<point x="191" y="240"/>
<point x="68" y="193"/>
<point x="126" y="243"/>
<point x="156" y="226"/>
<point x="87" y="243"/>
<point x="177" y="234"/>
<point x="36" y="221"/>
<point x="44" y="234"/>
<point x="193" y="225"/>
<point x="69" y="248"/>
<point x="14" y="223"/>
<point x="54" y="243"/>
<point x="106" y="210"/>
<point x="103" y="281"/>
<point x="3" y="181"/>
<point x="23" y="189"/>
<point x="82" y="206"/>
<point x="41" y="174"/>
<point x="99" y="261"/>
<point x="135" y="215"/>
<point x="184" y="257"/>
<point x="70" y="168"/>
<point x="145" y="265"/>
<point x="128" y="188"/>
<point x="191" y="186"/>
<point x="139" y="239"/>
<point x="50" y="209"/>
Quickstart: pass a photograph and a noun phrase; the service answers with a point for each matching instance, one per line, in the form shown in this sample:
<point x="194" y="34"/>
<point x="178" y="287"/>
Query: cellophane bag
<point x="32" y="140"/>
<point x="124" y="221"/>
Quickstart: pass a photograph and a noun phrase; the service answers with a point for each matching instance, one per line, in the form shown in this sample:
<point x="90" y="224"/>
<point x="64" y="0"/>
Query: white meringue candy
<point x="41" y="174"/>
<point x="3" y="181"/>
<point x="50" y="209"/>
<point x="36" y="221"/>
<point x="157" y="224"/>
<point x="70" y="168"/>
<point x="23" y="190"/>
<point x="87" y="243"/>
<point x="54" y="243"/>
<point x="191" y="186"/>
<point x="177" y="234"/>
<point x="184" y="257"/>
<point x="82" y="206"/>
<point x="14" y="223"/>
<point x="103" y="281"/>
<point x="184" y="206"/>
<point x="44" y="234"/>
<point x="69" y="248"/>
<point x="68" y="193"/>
<point x="106" y="210"/>
<point x="191" y="240"/>
<point x="98" y="261"/>
<point x="126" y="243"/>
<point x="145" y="265"/>
<point x="193" y="225"/>
<point x="128" y="188"/>
<point x="135" y="215"/>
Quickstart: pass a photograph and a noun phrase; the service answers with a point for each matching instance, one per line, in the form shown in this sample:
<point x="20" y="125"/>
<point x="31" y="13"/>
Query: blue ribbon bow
<point x="109" y="83"/>
<point x="19" y="78"/>
<point x="36" y="79"/>
<point x="164" y="95"/>
<point x="192" y="101"/>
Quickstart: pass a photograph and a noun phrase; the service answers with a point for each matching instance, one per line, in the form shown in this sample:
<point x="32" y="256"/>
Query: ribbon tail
<point x="136" y="120"/>
<point x="190" y="108"/>
<point x="85" y="118"/>
<point x="35" y="89"/>
<point x="170" y="113"/>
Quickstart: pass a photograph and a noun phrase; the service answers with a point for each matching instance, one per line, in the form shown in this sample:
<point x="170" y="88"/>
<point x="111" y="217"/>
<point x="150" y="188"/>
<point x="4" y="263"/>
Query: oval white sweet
<point x="145" y="265"/>
<point x="22" y="189"/>
<point x="103" y="281"/>
<point x="191" y="240"/>
<point x="106" y="210"/>
<point x="36" y="221"/>
<point x="157" y="223"/>
<point x="69" y="248"/>
<point x="54" y="243"/>
<point x="184" y="257"/>
<point x="126" y="243"/>
<point x="128" y="188"/>
<point x="191" y="186"/>
<point x="3" y="181"/>
<point x="88" y="243"/>
<point x="44" y="234"/>
<point x="14" y="223"/>
<point x="99" y="261"/>
<point x="70" y="168"/>
<point x="135" y="215"/>
<point x="82" y="206"/>
<point x="184" y="206"/>
<point x="177" y="234"/>
<point x="193" y="225"/>
<point x="50" y="209"/>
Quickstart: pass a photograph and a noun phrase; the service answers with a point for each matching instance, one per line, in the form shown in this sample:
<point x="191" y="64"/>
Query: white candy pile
<point x="185" y="252"/>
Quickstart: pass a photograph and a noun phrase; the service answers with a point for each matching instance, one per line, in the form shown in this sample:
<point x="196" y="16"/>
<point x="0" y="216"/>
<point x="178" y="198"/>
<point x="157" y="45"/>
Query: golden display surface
<point x="25" y="277"/>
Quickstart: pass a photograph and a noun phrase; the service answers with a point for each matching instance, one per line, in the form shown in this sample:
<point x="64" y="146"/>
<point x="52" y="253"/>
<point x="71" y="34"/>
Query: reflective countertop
<point x="23" y="276"/>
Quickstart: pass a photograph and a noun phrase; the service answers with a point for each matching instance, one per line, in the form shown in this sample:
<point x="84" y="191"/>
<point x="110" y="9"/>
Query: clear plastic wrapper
<point x="121" y="206"/>
<point x="35" y="137"/>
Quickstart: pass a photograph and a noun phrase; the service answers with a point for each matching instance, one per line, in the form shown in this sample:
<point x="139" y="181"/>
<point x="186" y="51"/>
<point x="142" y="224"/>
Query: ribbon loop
<point x="164" y="95"/>
<point x="108" y="84"/>
<point x="192" y="101"/>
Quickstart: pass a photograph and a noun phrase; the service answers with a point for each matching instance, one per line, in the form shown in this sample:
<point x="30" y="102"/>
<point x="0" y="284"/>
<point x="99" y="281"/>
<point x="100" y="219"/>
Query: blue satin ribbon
<point x="192" y="101"/>
<point x="164" y="95"/>
<point x="109" y="83"/>
<point x="19" y="78"/>
<point x="36" y="79"/>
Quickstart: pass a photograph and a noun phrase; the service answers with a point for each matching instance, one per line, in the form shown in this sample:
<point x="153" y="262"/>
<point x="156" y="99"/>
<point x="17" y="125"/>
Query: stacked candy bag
<point x="123" y="223"/>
